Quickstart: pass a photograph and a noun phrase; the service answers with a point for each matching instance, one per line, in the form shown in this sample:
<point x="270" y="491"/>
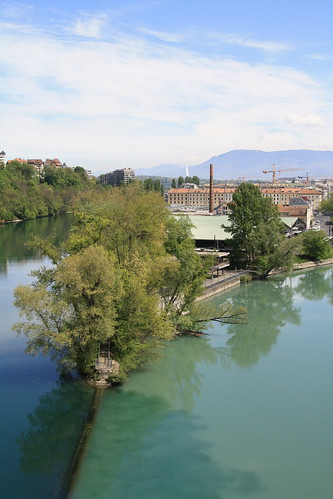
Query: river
<point x="243" y="412"/>
<point x="41" y="416"/>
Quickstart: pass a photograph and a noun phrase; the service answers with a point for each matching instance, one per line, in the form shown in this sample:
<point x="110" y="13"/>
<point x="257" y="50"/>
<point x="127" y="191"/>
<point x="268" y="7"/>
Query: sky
<point x="109" y="84"/>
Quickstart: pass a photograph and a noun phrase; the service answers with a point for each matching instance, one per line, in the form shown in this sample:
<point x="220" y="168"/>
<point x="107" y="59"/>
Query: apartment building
<point x="54" y="163"/>
<point x="283" y="195"/>
<point x="223" y="195"/>
<point x="117" y="177"/>
<point x="199" y="197"/>
<point x="38" y="164"/>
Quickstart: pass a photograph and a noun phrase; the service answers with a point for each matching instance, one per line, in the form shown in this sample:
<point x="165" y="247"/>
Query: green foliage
<point x="192" y="180"/>
<point x="173" y="183"/>
<point x="202" y="314"/>
<point x="71" y="309"/>
<point x="282" y="257"/>
<point x="184" y="277"/>
<point x="246" y="278"/>
<point x="180" y="181"/>
<point x="256" y="228"/>
<point x="326" y="206"/>
<point x="23" y="196"/>
<point x="156" y="185"/>
<point x="316" y="246"/>
<point x="128" y="274"/>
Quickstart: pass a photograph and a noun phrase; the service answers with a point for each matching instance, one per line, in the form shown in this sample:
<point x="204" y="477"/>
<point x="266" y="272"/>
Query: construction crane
<point x="275" y="171"/>
<point x="314" y="177"/>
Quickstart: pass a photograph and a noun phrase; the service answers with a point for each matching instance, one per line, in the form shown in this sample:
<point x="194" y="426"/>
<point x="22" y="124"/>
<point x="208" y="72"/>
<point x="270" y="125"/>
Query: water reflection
<point x="13" y="236"/>
<point x="162" y="449"/>
<point x="182" y="377"/>
<point x="270" y="306"/>
<point x="54" y="429"/>
<point x="316" y="284"/>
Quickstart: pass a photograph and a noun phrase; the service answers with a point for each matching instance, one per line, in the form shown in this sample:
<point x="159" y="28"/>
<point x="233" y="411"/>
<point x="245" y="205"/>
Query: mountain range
<point x="249" y="164"/>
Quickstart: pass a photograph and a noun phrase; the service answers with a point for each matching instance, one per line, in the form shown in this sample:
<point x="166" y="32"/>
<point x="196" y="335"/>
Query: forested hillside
<point x="23" y="194"/>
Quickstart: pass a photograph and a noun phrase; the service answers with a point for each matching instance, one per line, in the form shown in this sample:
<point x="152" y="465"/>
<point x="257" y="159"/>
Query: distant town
<point x="298" y="198"/>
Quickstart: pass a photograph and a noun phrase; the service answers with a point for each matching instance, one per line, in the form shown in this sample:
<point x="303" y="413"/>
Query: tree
<point x="71" y="308"/>
<point x="173" y="183"/>
<point x="158" y="186"/>
<point x="183" y="282"/>
<point x="81" y="171"/>
<point x="180" y="181"/>
<point x="128" y="274"/>
<point x="196" y="180"/>
<point x="103" y="286"/>
<point x="316" y="245"/>
<point x="326" y="207"/>
<point x="148" y="184"/>
<point x="281" y="258"/>
<point x="183" y="279"/>
<point x="256" y="228"/>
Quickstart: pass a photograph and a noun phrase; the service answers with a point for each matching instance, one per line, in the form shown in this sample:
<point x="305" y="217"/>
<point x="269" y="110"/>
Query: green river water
<point x="244" y="412"/>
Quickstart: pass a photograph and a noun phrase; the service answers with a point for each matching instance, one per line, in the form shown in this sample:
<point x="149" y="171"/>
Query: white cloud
<point x="311" y="120"/>
<point x="130" y="102"/>
<point x="89" y="26"/>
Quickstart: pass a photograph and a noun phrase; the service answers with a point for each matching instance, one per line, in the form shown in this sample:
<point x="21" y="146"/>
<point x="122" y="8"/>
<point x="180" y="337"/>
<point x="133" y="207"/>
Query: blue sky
<point x="111" y="84"/>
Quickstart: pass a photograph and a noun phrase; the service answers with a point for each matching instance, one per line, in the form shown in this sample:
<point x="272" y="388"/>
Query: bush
<point x="245" y="278"/>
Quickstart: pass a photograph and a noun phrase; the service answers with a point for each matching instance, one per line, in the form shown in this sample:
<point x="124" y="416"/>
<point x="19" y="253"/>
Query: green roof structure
<point x="208" y="227"/>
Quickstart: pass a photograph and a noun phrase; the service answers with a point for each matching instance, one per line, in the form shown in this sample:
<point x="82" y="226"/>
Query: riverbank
<point x="309" y="265"/>
<point x="233" y="278"/>
<point x="217" y="285"/>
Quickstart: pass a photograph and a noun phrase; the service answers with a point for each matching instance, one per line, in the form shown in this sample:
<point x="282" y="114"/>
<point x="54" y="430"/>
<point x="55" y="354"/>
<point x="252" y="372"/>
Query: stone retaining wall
<point x="223" y="284"/>
<point x="213" y="288"/>
<point x="309" y="265"/>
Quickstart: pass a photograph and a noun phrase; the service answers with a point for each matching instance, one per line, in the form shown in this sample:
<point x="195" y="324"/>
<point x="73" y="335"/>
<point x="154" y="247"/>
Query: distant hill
<point x="251" y="163"/>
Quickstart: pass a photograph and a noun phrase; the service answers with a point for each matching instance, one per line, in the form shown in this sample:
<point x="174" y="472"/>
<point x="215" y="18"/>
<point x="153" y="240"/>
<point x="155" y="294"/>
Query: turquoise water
<point x="244" y="412"/>
<point x="41" y="415"/>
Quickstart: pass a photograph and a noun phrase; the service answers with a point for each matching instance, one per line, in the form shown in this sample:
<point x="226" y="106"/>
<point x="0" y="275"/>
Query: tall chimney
<point x="211" y="196"/>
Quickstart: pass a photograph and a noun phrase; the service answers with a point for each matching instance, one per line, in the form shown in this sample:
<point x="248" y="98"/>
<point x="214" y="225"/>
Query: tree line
<point x="25" y="195"/>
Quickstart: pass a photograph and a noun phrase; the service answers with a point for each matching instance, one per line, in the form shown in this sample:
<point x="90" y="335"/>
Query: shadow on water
<point x="162" y="450"/>
<point x="181" y="381"/>
<point x="55" y="428"/>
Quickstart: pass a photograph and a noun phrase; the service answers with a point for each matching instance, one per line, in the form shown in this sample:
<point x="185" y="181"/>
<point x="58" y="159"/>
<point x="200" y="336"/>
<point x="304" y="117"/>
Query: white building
<point x="3" y="160"/>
